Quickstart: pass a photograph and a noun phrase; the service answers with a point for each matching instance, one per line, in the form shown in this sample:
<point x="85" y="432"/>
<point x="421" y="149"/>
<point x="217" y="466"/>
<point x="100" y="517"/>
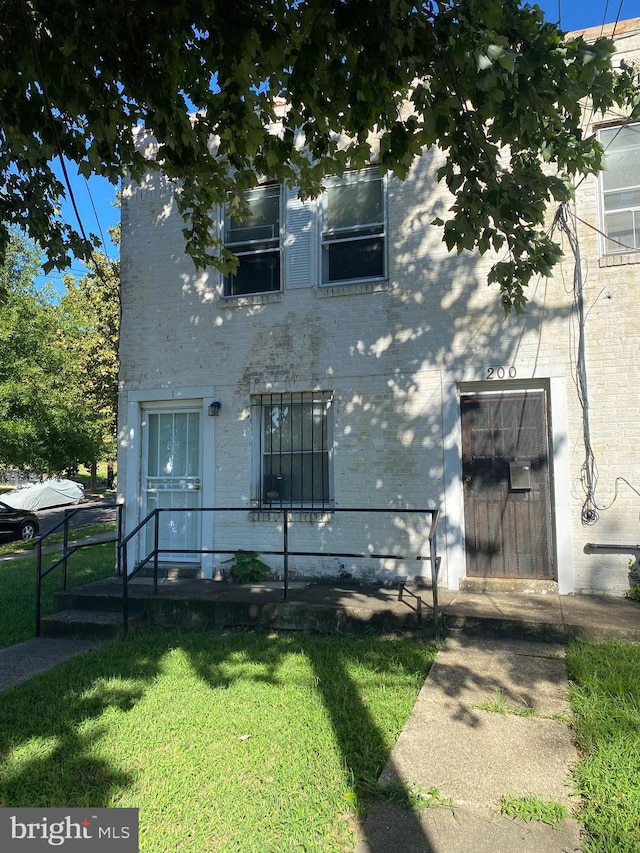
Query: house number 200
<point x="501" y="372"/>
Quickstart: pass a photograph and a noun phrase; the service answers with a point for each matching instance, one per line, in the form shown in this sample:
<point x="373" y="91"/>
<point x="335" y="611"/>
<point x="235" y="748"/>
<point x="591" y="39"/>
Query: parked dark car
<point x="17" y="523"/>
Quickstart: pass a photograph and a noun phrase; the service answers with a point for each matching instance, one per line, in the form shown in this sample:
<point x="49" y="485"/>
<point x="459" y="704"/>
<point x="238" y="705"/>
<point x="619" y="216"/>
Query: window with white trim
<point x="255" y="240"/>
<point x="620" y="188"/>
<point x="294" y="441"/>
<point x="354" y="228"/>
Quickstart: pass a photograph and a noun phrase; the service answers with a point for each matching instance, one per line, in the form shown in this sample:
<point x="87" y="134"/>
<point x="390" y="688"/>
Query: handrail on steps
<point x="286" y="552"/>
<point x="67" y="551"/>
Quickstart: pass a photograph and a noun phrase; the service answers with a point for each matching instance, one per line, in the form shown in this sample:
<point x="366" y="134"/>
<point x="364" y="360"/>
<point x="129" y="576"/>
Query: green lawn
<point x="605" y="695"/>
<point x="258" y="743"/>
<point x="243" y="742"/>
<point x="17" y="546"/>
<point x="18" y="587"/>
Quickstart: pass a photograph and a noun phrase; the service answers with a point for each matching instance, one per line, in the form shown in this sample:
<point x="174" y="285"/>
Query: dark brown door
<point x="507" y="494"/>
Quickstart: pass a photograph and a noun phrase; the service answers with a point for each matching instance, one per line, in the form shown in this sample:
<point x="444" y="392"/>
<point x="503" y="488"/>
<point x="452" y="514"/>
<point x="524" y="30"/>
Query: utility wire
<point x="590" y="513"/>
<point x="588" y="470"/>
<point x="606" y="236"/>
<point x="628" y="120"/>
<point x="604" y="16"/>
<point x="60" y="154"/>
<point x="586" y="121"/>
<point x="95" y="212"/>
<point x="617" y="21"/>
<point x="49" y="110"/>
<point x="566" y="223"/>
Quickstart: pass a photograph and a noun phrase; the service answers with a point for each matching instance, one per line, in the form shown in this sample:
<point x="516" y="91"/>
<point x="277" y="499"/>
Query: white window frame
<point x="608" y="245"/>
<point x="253" y="247"/>
<point x="286" y="458"/>
<point x="345" y="235"/>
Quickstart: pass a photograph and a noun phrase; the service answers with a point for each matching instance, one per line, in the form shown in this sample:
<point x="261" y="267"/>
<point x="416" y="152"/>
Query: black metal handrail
<point x="285" y="553"/>
<point x="67" y="551"/>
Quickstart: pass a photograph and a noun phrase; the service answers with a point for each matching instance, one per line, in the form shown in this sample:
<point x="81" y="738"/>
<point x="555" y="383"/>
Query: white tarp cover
<point x="37" y="496"/>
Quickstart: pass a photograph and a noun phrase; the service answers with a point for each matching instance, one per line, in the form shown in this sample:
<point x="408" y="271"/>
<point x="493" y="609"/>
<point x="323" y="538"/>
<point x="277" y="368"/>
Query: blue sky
<point x="578" y="14"/>
<point x="95" y="199"/>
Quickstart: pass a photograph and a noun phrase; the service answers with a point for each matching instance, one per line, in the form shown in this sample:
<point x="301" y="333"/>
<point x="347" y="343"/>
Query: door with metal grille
<point x="172" y="481"/>
<point x="507" y="488"/>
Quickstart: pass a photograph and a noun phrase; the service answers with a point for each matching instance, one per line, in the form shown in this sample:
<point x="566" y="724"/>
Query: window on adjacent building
<point x="294" y="442"/>
<point x="255" y="240"/>
<point x="620" y="183"/>
<point x="353" y="228"/>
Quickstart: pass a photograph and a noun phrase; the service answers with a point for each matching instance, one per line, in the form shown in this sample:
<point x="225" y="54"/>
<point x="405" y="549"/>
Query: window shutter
<point x="218" y="233"/>
<point x="299" y="241"/>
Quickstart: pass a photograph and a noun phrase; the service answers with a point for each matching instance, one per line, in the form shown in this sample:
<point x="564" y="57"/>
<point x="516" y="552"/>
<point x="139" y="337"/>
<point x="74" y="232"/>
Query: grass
<point x="499" y="704"/>
<point x="244" y="742"/>
<point x="18" y="585"/>
<point x="411" y="797"/>
<point x="605" y="695"/>
<point x="18" y="546"/>
<point x="533" y="808"/>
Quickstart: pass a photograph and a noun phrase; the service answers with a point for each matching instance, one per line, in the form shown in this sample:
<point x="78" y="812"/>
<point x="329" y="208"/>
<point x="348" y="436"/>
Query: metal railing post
<point x="38" y="585"/>
<point x="119" y="531"/>
<point x="285" y="536"/>
<point x="65" y="547"/>
<point x="125" y="590"/>
<point x="434" y="578"/>
<point x="68" y="549"/>
<point x="156" y="541"/>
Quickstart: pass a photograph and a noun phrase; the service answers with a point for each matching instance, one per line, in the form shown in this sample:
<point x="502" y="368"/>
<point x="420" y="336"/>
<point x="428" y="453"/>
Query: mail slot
<point x="520" y="475"/>
<point x="275" y="488"/>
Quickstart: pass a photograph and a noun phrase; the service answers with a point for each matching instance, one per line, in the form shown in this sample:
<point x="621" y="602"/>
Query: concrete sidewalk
<point x="25" y="660"/>
<point x="473" y="756"/>
<point x="96" y="539"/>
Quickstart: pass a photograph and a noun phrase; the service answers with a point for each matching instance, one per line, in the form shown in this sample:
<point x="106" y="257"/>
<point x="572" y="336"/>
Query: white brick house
<point x="358" y="364"/>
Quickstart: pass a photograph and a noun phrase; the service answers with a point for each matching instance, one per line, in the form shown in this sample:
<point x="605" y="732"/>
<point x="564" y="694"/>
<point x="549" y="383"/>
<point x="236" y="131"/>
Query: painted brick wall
<point x="391" y="354"/>
<point x="612" y="314"/>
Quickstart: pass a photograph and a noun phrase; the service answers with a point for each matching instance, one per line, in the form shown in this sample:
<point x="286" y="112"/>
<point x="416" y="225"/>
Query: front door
<point x="172" y="481"/>
<point x="507" y="491"/>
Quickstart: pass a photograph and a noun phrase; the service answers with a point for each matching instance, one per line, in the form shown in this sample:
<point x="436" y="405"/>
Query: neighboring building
<point x="359" y="364"/>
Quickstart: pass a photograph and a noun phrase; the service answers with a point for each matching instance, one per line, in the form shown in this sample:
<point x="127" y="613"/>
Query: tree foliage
<point x="92" y="306"/>
<point x="50" y="418"/>
<point x="491" y="83"/>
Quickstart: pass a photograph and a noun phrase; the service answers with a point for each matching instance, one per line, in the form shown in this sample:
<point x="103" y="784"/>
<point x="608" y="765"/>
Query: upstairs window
<point x="294" y="442"/>
<point x="255" y="240"/>
<point x="353" y="229"/>
<point x="620" y="184"/>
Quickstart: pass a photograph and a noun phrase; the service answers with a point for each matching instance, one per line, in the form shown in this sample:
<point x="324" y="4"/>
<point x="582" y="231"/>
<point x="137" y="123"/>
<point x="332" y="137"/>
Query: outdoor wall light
<point x="214" y="409"/>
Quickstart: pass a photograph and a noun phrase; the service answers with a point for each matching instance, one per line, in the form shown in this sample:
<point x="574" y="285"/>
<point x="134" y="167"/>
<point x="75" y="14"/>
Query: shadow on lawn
<point x="46" y="736"/>
<point x="50" y="727"/>
<point x="354" y="729"/>
<point x="361" y="743"/>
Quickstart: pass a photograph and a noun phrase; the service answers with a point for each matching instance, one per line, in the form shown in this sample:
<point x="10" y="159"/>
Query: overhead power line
<point x="60" y="154"/>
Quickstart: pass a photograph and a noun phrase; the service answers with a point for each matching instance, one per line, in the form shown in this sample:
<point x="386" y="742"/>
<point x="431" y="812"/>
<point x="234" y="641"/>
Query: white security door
<point x="172" y="482"/>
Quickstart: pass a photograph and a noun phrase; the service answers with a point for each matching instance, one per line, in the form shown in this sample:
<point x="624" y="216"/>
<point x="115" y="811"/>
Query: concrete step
<point x="78" y="600"/>
<point x="475" y="625"/>
<point x="525" y="586"/>
<point x="75" y="622"/>
<point x="172" y="572"/>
